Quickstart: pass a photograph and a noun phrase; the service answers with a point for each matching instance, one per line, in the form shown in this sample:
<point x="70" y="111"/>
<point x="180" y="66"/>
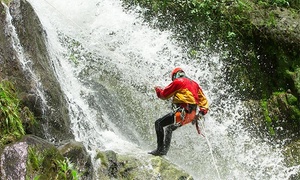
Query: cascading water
<point x="108" y="62"/>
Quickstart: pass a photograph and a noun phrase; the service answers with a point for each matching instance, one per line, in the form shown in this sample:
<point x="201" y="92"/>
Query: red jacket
<point x="184" y="91"/>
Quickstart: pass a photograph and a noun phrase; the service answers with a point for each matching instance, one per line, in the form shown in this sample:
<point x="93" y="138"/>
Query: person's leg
<point x="159" y="128"/>
<point x="167" y="142"/>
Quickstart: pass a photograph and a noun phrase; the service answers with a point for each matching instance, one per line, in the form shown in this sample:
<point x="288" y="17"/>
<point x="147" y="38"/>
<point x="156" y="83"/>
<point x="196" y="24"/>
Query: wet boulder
<point x="116" y="166"/>
<point x="76" y="153"/>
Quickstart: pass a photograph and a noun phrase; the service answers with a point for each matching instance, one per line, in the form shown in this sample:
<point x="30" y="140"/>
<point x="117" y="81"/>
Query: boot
<point x="160" y="147"/>
<point x="167" y="142"/>
<point x="156" y="152"/>
<point x="160" y="139"/>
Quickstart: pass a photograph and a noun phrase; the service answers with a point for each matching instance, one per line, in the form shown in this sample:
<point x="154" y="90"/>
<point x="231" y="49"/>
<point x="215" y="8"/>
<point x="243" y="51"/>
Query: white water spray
<point x="115" y="60"/>
<point x="210" y="147"/>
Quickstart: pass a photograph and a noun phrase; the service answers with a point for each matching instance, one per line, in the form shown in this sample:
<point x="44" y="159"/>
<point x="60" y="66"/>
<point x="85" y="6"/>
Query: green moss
<point x="131" y="168"/>
<point x="295" y="76"/>
<point x="295" y="113"/>
<point x="290" y="102"/>
<point x="271" y="21"/>
<point x="74" y="59"/>
<point x="291" y="99"/>
<point x="6" y="1"/>
<point x="264" y="105"/>
<point x="103" y="158"/>
<point x="271" y="131"/>
<point x="125" y="167"/>
<point x="165" y="169"/>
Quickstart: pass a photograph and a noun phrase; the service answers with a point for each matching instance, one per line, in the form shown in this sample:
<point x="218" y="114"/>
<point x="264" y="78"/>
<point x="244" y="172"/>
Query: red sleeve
<point x="168" y="91"/>
<point x="158" y="91"/>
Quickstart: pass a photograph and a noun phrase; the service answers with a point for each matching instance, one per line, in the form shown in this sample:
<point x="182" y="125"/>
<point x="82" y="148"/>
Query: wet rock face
<point x="9" y="64"/>
<point x="13" y="161"/>
<point x="52" y="114"/>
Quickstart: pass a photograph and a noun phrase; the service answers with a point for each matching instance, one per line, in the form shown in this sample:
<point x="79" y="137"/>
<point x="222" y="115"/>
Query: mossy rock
<point x="167" y="170"/>
<point x="296" y="79"/>
<point x="127" y="167"/>
<point x="115" y="166"/>
<point x="30" y="157"/>
<point x="76" y="153"/>
<point x="284" y="114"/>
<point x="292" y="154"/>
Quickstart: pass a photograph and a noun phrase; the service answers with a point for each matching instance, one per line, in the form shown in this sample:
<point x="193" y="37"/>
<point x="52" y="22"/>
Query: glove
<point x="203" y="111"/>
<point x="158" y="90"/>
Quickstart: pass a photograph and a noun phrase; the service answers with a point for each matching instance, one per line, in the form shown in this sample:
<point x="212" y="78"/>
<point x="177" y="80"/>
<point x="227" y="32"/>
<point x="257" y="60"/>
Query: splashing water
<point x="108" y="61"/>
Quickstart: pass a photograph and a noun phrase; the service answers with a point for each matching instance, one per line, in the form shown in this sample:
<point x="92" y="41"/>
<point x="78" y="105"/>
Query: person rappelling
<point x="189" y="102"/>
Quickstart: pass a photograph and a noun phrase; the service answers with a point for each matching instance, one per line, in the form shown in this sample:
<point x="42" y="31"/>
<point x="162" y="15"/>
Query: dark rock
<point x="50" y="108"/>
<point x="77" y="154"/>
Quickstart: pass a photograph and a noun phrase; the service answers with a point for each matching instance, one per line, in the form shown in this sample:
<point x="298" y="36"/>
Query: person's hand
<point x="158" y="90"/>
<point x="157" y="87"/>
<point x="203" y="111"/>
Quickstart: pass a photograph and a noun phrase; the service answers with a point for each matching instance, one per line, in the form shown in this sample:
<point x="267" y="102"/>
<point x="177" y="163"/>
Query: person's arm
<point x="167" y="92"/>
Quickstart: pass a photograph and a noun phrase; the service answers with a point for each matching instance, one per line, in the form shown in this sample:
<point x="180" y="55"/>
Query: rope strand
<point x="210" y="149"/>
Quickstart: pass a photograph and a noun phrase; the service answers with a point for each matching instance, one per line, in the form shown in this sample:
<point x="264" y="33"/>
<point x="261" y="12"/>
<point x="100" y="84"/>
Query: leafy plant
<point x="49" y="164"/>
<point x="13" y="115"/>
<point x="34" y="164"/>
<point x="280" y="2"/>
<point x="11" y="127"/>
<point x="67" y="170"/>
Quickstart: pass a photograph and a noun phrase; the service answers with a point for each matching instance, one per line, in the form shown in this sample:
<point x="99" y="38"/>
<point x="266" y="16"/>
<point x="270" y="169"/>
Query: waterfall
<point x="108" y="61"/>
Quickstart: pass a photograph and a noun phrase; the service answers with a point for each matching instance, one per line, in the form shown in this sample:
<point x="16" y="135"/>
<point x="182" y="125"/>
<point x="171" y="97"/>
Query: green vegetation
<point x="5" y="1"/>
<point x="12" y="114"/>
<point x="264" y="105"/>
<point x="34" y="164"/>
<point x="219" y="21"/>
<point x="49" y="164"/>
<point x="67" y="170"/>
<point x="41" y="164"/>
<point x="74" y="59"/>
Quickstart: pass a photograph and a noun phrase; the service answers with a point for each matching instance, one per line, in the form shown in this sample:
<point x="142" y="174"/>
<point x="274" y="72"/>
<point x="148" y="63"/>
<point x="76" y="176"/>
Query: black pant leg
<point x="167" y="142"/>
<point x="166" y="120"/>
